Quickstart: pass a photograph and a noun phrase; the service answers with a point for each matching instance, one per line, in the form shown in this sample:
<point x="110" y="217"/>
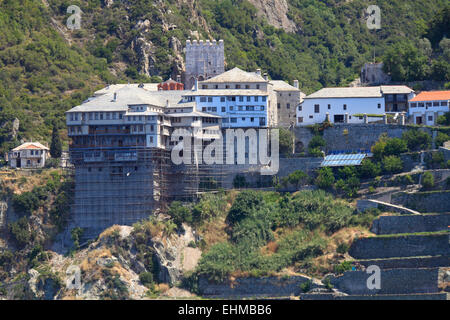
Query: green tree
<point x="395" y="146"/>
<point x="286" y="142"/>
<point x="417" y="139"/>
<point x="244" y="206"/>
<point x="179" y="213"/>
<point x="325" y="178"/>
<point x="428" y="180"/>
<point x="392" y="164"/>
<point x="368" y="169"/>
<point x="55" y="146"/>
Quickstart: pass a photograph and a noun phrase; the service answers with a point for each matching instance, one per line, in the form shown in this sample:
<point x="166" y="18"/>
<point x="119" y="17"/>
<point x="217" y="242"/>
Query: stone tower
<point x="204" y="60"/>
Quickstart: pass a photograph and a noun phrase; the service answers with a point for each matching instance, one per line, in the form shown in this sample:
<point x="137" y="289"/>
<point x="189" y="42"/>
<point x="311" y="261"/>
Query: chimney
<point x="265" y="76"/>
<point x="178" y="78"/>
<point x="296" y="84"/>
<point x="196" y="84"/>
<point x="167" y="104"/>
<point x="258" y="72"/>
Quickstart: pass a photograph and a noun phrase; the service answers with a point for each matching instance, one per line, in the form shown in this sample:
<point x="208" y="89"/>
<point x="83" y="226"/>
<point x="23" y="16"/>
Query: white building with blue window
<point x="349" y="105"/>
<point x="242" y="99"/>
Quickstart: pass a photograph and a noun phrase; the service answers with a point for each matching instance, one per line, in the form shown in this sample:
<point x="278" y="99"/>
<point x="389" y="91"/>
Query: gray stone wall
<point x="423" y="201"/>
<point x="410" y="224"/>
<point x="254" y="287"/>
<point x="401" y="246"/>
<point x="393" y="281"/>
<point x="286" y="115"/>
<point x="343" y="136"/>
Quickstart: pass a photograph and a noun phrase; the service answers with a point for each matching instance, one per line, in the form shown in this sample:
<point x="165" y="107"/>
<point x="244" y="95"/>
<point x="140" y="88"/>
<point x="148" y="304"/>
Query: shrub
<point x="179" y="213"/>
<point x="441" y="138"/>
<point x="21" y="232"/>
<point x="325" y="179"/>
<point x="239" y="181"/>
<point x="146" y="278"/>
<point x="218" y="262"/>
<point x="368" y="169"/>
<point x="244" y="205"/>
<point x="306" y="286"/>
<point x="297" y="178"/>
<point x="342" y="267"/>
<point x="395" y="146"/>
<point x="428" y="180"/>
<point x="392" y="164"/>
<point x="25" y="203"/>
<point x="417" y="139"/>
<point x="342" y="248"/>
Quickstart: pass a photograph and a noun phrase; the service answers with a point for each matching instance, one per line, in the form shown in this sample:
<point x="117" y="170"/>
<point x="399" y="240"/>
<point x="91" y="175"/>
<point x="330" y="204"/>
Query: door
<point x="419" y="120"/>
<point x="338" y="118"/>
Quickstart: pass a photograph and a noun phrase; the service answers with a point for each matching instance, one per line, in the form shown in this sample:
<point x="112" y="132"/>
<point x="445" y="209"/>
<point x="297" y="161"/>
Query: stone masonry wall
<point x="410" y="224"/>
<point x="423" y="201"/>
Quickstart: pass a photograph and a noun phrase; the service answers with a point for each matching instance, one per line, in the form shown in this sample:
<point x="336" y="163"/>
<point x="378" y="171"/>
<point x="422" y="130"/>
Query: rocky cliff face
<point x="109" y="268"/>
<point x="275" y="11"/>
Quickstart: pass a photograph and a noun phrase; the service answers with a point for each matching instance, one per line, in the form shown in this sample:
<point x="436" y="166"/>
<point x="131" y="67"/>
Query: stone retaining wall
<point x="410" y="224"/>
<point x="254" y="287"/>
<point x="400" y="246"/>
<point x="423" y="201"/>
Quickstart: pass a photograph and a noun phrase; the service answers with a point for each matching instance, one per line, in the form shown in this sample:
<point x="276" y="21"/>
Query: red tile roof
<point x="432" y="96"/>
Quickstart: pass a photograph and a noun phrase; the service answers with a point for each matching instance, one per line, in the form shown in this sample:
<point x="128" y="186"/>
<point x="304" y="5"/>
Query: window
<point x="264" y="99"/>
<point x="238" y="86"/>
<point x="300" y="108"/>
<point x="209" y="99"/>
<point x="231" y="108"/>
<point x="421" y="104"/>
<point x="222" y="99"/>
<point x="223" y="109"/>
<point x="300" y="119"/>
<point x="233" y="120"/>
<point x="413" y="105"/>
<point x="316" y="109"/>
<point x="288" y="105"/>
<point x="120" y="116"/>
<point x="216" y="86"/>
<point x="256" y="99"/>
<point x="247" y="86"/>
<point x="241" y="98"/>
<point x="96" y="116"/>
<point x="278" y="105"/>
<point x="204" y="109"/>
<point x="262" y="108"/>
<point x="428" y="104"/>
<point x="345" y="107"/>
<point x="101" y="116"/>
<point x="311" y="117"/>
<point x="329" y="106"/>
<point x="257" y="86"/>
<point x="90" y="115"/>
<point x="204" y="86"/>
<point x="436" y="104"/>
<point x="202" y="99"/>
<point x="379" y="106"/>
<point x="214" y="109"/>
<point x="444" y="103"/>
<point x="430" y="118"/>
<point x="243" y="118"/>
<point x="248" y="99"/>
<point x="251" y="119"/>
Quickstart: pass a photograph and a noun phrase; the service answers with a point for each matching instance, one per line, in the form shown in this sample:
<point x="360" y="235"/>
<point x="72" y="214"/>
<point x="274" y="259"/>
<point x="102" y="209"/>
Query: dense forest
<point x="45" y="68"/>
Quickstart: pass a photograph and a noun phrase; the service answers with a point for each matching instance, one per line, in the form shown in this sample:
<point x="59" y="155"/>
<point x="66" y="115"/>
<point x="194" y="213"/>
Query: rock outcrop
<point x="275" y="11"/>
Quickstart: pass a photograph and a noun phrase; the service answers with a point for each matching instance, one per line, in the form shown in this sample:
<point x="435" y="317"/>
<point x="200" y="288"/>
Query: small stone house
<point x="28" y="155"/>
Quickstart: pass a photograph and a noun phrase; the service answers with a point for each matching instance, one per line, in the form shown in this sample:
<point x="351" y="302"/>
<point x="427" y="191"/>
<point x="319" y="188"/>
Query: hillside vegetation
<point x="45" y="68"/>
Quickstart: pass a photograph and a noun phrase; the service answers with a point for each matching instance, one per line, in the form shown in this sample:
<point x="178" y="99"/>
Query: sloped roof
<point x="130" y="95"/>
<point x="31" y="145"/>
<point x="235" y="75"/>
<point x="280" y="85"/>
<point x="115" y="87"/>
<point x="227" y="92"/>
<point x="396" y="89"/>
<point x="353" y="92"/>
<point x="432" y="95"/>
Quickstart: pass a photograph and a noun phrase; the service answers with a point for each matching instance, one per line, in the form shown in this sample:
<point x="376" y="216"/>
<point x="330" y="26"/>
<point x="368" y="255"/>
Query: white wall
<point x="427" y="111"/>
<point x="260" y="110"/>
<point x="354" y="106"/>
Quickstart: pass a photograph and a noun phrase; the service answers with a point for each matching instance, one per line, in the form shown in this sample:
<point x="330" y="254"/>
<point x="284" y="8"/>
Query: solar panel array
<point x="339" y="160"/>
